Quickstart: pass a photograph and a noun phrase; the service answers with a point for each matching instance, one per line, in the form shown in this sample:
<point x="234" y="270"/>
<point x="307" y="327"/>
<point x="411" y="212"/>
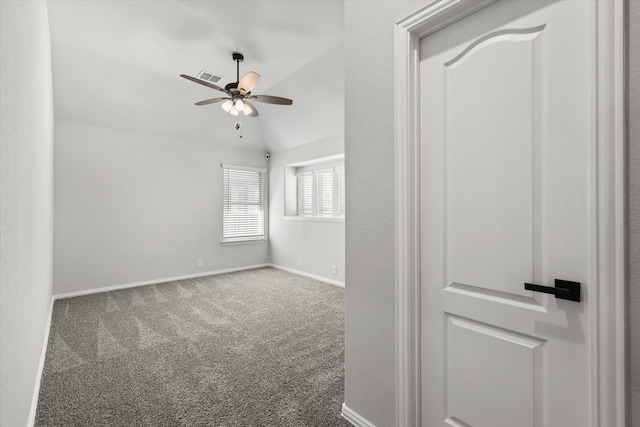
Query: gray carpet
<point x="254" y="348"/>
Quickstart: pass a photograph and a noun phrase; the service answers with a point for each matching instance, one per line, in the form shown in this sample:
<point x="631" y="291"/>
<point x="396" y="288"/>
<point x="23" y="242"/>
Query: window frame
<point x="313" y="168"/>
<point x="256" y="238"/>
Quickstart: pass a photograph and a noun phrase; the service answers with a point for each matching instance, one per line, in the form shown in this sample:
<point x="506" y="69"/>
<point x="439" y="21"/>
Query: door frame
<point x="607" y="195"/>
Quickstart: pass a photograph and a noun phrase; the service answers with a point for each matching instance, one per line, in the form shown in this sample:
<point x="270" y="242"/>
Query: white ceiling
<point x="116" y="64"/>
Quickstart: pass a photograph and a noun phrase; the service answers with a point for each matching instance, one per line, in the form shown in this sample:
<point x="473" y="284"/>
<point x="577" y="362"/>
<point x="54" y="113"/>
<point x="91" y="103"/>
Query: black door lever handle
<point x="564" y="289"/>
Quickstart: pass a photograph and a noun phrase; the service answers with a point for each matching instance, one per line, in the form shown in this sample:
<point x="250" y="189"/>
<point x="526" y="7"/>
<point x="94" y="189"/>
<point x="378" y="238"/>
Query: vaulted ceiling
<point x="116" y="64"/>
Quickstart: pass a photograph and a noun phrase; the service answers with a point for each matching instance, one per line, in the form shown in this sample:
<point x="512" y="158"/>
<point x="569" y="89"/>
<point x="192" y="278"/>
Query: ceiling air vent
<point x="210" y="77"/>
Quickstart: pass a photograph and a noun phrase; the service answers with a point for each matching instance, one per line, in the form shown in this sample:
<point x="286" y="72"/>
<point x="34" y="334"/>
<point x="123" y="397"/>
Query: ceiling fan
<point x="239" y="92"/>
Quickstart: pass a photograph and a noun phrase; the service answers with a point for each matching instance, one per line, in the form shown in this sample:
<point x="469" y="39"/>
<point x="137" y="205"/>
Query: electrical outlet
<point x="200" y="263"/>
<point x="334" y="269"/>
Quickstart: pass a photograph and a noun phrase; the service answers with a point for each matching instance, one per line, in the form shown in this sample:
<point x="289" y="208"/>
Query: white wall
<point x="26" y="204"/>
<point x="318" y="94"/>
<point x="132" y="207"/>
<point x="304" y="245"/>
<point x="633" y="321"/>
<point x="314" y="132"/>
<point x="370" y="238"/>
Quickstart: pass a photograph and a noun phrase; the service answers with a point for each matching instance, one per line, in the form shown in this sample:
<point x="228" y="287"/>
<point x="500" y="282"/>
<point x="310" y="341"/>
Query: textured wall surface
<point x="26" y="204"/>
<point x="634" y="212"/>
<point x="132" y="207"/>
<point x="304" y="245"/>
<point x="370" y="223"/>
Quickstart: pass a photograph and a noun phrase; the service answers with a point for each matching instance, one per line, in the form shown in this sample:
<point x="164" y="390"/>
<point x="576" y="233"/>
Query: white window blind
<point x="341" y="192"/>
<point x="325" y="192"/>
<point x="305" y="194"/>
<point x="243" y="203"/>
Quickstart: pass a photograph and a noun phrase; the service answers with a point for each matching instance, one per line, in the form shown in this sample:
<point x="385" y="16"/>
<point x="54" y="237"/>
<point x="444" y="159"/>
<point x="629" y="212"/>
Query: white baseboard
<point x="155" y="281"/>
<point x="355" y="418"/>
<point x="193" y="276"/>
<point x="43" y="355"/>
<point x="309" y="275"/>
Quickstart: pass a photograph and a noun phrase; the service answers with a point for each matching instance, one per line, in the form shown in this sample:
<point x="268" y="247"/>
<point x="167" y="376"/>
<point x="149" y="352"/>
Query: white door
<point x="506" y="171"/>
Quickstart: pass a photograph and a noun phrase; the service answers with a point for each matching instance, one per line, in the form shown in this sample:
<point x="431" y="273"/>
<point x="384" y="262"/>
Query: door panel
<point x="505" y="369"/>
<point x="505" y="175"/>
<point x="499" y="193"/>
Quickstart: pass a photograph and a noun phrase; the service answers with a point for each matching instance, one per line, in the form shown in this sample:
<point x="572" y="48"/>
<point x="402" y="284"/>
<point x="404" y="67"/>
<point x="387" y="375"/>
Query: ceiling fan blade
<point x="210" y="101"/>
<point x="253" y="113"/>
<point x="202" y="82"/>
<point x="272" y="99"/>
<point x="248" y="82"/>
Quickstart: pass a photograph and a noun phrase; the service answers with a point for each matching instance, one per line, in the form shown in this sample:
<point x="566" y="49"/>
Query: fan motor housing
<point x="232" y="87"/>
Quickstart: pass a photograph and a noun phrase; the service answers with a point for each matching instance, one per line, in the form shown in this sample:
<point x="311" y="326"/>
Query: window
<point x="319" y="191"/>
<point x="243" y="204"/>
<point x="305" y="193"/>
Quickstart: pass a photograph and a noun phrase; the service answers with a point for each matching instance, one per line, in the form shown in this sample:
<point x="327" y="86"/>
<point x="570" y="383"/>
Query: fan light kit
<point x="239" y="92"/>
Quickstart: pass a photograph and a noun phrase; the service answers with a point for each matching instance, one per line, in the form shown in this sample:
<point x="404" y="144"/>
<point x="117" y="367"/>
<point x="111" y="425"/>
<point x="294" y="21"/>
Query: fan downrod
<point x="233" y="86"/>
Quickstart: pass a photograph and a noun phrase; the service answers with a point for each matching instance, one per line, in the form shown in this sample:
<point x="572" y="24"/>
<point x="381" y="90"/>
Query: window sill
<point x="314" y="218"/>
<point x="249" y="241"/>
